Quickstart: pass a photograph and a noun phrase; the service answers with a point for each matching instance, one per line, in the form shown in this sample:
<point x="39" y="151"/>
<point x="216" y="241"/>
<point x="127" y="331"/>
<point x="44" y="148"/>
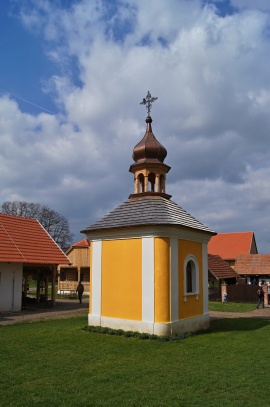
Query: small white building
<point x="26" y="249"/>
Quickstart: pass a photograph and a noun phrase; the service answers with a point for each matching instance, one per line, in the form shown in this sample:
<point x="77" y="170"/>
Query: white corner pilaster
<point x="174" y="279"/>
<point x="96" y="277"/>
<point x="205" y="277"/>
<point x="148" y="279"/>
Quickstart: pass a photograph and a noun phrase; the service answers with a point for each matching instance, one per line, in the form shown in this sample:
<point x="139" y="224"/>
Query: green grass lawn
<point x="230" y="306"/>
<point x="56" y="363"/>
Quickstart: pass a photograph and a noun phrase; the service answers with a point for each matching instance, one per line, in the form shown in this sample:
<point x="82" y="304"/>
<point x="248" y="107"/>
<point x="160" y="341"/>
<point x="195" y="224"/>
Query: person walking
<point x="260" y="295"/>
<point x="80" y="290"/>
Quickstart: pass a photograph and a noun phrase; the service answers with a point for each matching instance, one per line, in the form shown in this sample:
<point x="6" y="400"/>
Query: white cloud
<point x="211" y="75"/>
<point x="255" y="5"/>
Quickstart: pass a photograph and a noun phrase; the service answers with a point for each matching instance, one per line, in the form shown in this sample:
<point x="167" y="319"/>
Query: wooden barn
<point x="79" y="270"/>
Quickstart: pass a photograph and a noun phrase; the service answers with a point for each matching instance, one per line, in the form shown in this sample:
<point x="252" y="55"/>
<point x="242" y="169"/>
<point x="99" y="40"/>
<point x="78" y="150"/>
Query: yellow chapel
<point x="148" y="256"/>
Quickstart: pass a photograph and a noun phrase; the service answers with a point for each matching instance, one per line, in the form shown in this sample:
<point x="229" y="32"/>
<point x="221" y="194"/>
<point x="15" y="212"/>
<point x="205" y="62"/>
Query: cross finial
<point x="148" y="101"/>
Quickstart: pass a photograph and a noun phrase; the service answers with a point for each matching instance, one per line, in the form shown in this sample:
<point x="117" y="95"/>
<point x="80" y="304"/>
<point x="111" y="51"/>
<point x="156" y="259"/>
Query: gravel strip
<point x="71" y="308"/>
<point x="39" y="312"/>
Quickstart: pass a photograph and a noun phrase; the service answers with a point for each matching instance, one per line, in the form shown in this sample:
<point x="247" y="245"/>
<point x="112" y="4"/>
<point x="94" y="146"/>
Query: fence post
<point x="265" y="297"/>
<point x="223" y="292"/>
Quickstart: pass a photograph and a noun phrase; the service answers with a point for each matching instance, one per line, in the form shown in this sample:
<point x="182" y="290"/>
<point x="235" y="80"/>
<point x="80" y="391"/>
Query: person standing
<point x="260" y="295"/>
<point x="254" y="281"/>
<point x="80" y="290"/>
<point x="268" y="291"/>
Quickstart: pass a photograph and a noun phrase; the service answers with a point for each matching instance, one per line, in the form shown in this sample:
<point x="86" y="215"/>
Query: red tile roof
<point x="82" y="243"/>
<point x="252" y="264"/>
<point x="24" y="240"/>
<point x="229" y="245"/>
<point x="219" y="268"/>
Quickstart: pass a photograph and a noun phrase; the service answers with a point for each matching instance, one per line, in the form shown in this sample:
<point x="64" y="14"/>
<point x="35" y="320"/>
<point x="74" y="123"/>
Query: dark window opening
<point x="189" y="277"/>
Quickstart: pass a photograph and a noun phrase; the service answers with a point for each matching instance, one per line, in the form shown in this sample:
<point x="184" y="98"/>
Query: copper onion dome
<point x="149" y="149"/>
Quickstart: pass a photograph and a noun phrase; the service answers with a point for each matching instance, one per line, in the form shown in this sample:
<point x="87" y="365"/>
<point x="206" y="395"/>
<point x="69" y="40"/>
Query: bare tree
<point x="55" y="224"/>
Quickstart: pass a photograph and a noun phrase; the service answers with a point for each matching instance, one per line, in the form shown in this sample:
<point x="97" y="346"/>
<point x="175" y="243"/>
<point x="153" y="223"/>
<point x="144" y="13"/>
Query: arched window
<point x="151" y="181"/>
<point x="191" y="276"/>
<point x="141" y="183"/>
<point x="162" y="184"/>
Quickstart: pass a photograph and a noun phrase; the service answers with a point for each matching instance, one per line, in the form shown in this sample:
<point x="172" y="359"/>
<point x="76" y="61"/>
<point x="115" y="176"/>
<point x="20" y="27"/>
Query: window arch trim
<point x="191" y="259"/>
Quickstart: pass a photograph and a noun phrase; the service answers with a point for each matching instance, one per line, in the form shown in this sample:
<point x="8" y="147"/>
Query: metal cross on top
<point x="148" y="101"/>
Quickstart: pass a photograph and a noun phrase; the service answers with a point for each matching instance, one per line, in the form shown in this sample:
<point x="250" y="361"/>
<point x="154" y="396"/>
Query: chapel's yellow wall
<point x="121" y="292"/>
<point x="162" y="280"/>
<point x="192" y="307"/>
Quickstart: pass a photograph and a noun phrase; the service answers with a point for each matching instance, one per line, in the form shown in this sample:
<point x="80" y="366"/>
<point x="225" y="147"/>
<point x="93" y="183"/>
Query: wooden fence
<point x="242" y="293"/>
<point x="214" y="294"/>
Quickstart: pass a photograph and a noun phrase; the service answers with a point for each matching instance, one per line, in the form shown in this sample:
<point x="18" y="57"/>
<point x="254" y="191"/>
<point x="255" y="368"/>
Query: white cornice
<point x="151" y="231"/>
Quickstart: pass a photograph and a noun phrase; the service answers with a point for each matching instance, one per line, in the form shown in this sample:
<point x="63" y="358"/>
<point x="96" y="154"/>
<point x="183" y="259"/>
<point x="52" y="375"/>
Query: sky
<point x="73" y="74"/>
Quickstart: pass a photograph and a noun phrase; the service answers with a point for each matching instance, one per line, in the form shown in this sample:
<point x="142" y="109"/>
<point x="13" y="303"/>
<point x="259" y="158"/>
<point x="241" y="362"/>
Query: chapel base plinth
<point x="201" y="322"/>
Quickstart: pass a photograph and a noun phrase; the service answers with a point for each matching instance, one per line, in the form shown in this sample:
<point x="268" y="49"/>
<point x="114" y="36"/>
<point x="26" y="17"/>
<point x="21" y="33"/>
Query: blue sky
<point x="23" y="64"/>
<point x="73" y="74"/>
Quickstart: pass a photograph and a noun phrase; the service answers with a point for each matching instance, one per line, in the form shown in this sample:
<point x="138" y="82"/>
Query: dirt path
<point x="263" y="313"/>
<point x="39" y="312"/>
<point x="71" y="308"/>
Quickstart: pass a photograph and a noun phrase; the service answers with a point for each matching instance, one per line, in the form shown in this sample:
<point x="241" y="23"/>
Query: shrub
<point x="143" y="335"/>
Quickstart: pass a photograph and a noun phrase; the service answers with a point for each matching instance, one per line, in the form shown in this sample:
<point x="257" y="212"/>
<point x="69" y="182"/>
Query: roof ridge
<point x="237" y="232"/>
<point x="53" y="240"/>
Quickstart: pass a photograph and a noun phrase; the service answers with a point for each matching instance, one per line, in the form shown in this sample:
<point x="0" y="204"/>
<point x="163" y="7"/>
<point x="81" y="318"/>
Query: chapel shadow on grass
<point x="238" y="324"/>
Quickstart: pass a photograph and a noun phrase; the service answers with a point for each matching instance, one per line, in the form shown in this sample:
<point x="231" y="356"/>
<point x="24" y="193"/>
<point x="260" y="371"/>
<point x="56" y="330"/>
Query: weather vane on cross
<point x="148" y="101"/>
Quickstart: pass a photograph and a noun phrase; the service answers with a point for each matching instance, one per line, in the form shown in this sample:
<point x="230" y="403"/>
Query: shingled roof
<point x="147" y="211"/>
<point x="247" y="264"/>
<point x="219" y="268"/>
<point x="24" y="240"/>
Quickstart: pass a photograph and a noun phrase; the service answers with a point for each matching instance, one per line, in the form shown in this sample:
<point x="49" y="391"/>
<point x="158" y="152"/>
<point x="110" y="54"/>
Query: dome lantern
<point x="148" y="169"/>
